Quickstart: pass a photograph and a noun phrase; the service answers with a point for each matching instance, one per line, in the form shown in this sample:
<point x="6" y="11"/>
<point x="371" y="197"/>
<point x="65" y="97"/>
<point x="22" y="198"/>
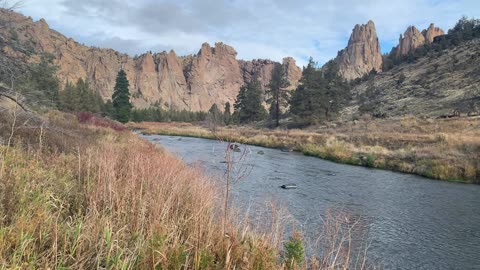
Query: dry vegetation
<point x="446" y="149"/>
<point x="76" y="196"/>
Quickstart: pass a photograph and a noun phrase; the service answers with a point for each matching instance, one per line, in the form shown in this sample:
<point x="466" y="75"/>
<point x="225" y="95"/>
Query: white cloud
<point x="256" y="28"/>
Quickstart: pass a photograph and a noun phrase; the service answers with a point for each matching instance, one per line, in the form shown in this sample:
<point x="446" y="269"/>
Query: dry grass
<point x="100" y="199"/>
<point x="445" y="149"/>
<point x="118" y="203"/>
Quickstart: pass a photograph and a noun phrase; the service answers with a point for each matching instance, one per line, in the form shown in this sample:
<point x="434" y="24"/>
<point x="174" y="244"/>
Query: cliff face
<point x="412" y="39"/>
<point x="194" y="82"/>
<point x="362" y="54"/>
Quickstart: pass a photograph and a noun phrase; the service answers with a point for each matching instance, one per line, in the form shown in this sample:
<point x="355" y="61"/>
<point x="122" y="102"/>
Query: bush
<point x="370" y="160"/>
<point x="294" y="251"/>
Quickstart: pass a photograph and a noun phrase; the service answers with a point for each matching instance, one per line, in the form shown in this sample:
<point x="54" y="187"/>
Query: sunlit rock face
<point x="362" y="55"/>
<point x="194" y="82"/>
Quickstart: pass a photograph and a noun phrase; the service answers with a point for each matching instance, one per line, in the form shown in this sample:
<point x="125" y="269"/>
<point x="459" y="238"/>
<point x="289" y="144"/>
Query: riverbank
<point x="443" y="149"/>
<point x="93" y="195"/>
<point x="99" y="198"/>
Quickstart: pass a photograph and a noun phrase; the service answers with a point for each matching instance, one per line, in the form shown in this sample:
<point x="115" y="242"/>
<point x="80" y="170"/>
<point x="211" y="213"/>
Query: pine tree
<point x="214" y="118"/>
<point x="38" y="82"/>
<point x="248" y="105"/>
<point x="82" y="94"/>
<point x="121" y="98"/>
<point x="227" y="114"/>
<point x="302" y="104"/>
<point x="321" y="93"/>
<point x="279" y="95"/>
<point x="67" y="101"/>
<point x="80" y="98"/>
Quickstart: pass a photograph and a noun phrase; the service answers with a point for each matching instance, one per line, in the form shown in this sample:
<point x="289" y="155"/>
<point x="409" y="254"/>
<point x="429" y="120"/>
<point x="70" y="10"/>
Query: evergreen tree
<point x="44" y="75"/>
<point x="82" y="93"/>
<point x="80" y="98"/>
<point x="248" y="105"/>
<point x="302" y="104"/>
<point x="278" y="93"/>
<point x="227" y="115"/>
<point x="67" y="98"/>
<point x="121" y="98"/>
<point x="214" y="118"/>
<point x="321" y="93"/>
<point x="37" y="81"/>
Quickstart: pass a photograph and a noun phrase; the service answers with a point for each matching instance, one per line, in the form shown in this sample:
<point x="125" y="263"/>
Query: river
<point x="409" y="222"/>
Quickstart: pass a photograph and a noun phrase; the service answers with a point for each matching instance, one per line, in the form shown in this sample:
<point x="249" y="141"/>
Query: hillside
<point x="439" y="84"/>
<point x="193" y="82"/>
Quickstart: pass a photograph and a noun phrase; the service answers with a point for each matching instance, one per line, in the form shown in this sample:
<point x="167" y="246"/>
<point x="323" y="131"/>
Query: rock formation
<point x="412" y="39"/>
<point x="432" y="32"/>
<point x="362" y="54"/>
<point x="193" y="82"/>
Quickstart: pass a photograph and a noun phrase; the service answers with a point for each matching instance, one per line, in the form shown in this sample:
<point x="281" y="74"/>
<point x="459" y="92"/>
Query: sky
<point x="270" y="29"/>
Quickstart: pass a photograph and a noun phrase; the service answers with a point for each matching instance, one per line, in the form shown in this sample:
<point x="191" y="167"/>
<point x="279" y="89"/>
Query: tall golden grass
<point x="445" y="149"/>
<point x="100" y="199"/>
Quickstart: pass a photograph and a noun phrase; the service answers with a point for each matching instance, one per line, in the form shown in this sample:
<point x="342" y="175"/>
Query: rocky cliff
<point x="362" y="54"/>
<point x="194" y="82"/>
<point x="413" y="38"/>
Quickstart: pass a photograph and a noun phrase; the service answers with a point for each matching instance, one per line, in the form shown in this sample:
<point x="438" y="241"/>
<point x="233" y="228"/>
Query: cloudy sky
<point x="255" y="28"/>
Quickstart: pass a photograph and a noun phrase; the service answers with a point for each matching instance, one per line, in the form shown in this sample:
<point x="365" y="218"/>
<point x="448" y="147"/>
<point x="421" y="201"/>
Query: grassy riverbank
<point x="444" y="149"/>
<point x="96" y="196"/>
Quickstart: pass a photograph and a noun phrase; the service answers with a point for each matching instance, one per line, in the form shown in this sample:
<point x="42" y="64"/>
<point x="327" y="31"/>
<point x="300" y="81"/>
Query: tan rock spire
<point x="411" y="39"/>
<point x="362" y="54"/>
<point x="432" y="32"/>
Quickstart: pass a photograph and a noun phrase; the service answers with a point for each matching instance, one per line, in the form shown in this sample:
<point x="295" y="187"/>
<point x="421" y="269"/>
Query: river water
<point x="409" y="222"/>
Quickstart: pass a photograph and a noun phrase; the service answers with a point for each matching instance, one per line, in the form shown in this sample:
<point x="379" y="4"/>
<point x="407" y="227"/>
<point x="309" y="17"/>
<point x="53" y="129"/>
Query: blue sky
<point x="255" y="28"/>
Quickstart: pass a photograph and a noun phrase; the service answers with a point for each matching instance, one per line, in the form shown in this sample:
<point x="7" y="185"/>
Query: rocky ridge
<point x="193" y="82"/>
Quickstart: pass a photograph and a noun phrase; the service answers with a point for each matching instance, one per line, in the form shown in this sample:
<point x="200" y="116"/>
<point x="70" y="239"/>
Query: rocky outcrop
<point x="193" y="82"/>
<point x="431" y="33"/>
<point x="294" y="73"/>
<point x="413" y="39"/>
<point x="362" y="54"/>
<point x="258" y="67"/>
<point x="214" y="77"/>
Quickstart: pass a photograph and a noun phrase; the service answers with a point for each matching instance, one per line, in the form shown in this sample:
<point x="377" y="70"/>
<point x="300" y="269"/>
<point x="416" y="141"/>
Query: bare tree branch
<point x="12" y="5"/>
<point x="14" y="96"/>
